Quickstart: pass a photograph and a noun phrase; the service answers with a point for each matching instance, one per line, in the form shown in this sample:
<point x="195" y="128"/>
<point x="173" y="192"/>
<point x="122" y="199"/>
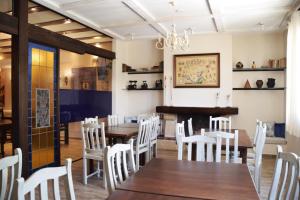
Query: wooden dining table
<point x="173" y="180"/>
<point x="122" y="131"/>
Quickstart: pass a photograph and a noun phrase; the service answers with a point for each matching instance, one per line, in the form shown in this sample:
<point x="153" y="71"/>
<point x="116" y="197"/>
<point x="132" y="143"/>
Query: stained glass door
<point x="42" y="112"/>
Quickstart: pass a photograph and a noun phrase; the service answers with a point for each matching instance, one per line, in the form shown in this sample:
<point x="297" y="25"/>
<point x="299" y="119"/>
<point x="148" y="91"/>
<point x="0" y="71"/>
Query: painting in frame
<point x="42" y="108"/>
<point x="197" y="70"/>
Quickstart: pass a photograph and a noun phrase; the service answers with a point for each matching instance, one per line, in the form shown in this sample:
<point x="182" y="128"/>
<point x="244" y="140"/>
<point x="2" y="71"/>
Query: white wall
<point x="201" y="97"/>
<point x="246" y="47"/>
<point x="262" y="105"/>
<point x="138" y="54"/>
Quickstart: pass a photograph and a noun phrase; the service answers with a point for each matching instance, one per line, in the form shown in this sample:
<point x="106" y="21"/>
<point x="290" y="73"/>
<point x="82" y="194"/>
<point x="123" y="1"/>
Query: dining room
<point x="137" y="99"/>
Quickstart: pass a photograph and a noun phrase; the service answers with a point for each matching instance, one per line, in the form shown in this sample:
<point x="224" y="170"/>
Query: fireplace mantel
<point x="209" y="111"/>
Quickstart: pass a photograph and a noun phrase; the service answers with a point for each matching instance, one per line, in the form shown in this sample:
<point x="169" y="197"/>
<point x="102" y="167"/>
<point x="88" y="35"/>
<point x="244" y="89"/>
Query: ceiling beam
<point x="5" y="47"/>
<point x="5" y="40"/>
<point x="287" y="16"/>
<point x="216" y="17"/>
<point x="57" y="40"/>
<point x="145" y="15"/>
<point x="78" y="4"/>
<point x="8" y="24"/>
<point x="32" y="9"/>
<point x="78" y="18"/>
<point x="54" y="22"/>
<point x="91" y="37"/>
<point x="80" y="30"/>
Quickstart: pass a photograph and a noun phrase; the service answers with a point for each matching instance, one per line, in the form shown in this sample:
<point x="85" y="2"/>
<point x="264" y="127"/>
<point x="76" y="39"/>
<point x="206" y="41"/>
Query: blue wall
<point x="75" y="105"/>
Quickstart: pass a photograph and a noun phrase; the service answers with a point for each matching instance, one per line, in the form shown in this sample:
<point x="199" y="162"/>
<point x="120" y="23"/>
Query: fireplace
<point x="200" y="116"/>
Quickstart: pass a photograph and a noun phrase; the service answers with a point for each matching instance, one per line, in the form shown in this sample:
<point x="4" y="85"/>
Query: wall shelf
<point x="257" y="69"/>
<point x="145" y="72"/>
<point x="279" y="88"/>
<point x="144" y="89"/>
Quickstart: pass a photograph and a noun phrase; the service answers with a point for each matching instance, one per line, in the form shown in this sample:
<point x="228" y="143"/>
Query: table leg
<point x="66" y="133"/>
<point x="243" y="155"/>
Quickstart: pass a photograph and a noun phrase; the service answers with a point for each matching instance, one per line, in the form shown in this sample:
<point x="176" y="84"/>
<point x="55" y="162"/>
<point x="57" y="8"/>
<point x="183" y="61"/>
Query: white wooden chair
<point x="200" y="141"/>
<point x="117" y="164"/>
<point x="227" y="136"/>
<point x="10" y="169"/>
<point x="190" y="127"/>
<point x="112" y="120"/>
<point x="180" y="132"/>
<point x="93" y="147"/>
<point x="143" y="117"/>
<point x="153" y="136"/>
<point x="255" y="167"/>
<point x="251" y="155"/>
<point x="91" y="120"/>
<point x="219" y="123"/>
<point x="285" y="178"/>
<point x="142" y="142"/>
<point x="40" y="179"/>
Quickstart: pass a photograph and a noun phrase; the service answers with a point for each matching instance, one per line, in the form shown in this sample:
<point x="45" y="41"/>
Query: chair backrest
<point x="10" y="169"/>
<point x="117" y="165"/>
<point x="40" y="180"/>
<point x="143" y="117"/>
<point x="92" y="141"/>
<point x="180" y="131"/>
<point x="154" y="128"/>
<point x="219" y="123"/>
<point x="201" y="142"/>
<point x="285" y="178"/>
<point x="260" y="143"/>
<point x="258" y="123"/>
<point x="227" y="136"/>
<point x="112" y="120"/>
<point x="190" y="127"/>
<point x="143" y="134"/>
<point x="91" y="120"/>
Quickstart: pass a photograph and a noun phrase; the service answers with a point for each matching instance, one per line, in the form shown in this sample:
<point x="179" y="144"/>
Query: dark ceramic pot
<point x="259" y="83"/>
<point x="271" y="82"/>
<point x="239" y="65"/>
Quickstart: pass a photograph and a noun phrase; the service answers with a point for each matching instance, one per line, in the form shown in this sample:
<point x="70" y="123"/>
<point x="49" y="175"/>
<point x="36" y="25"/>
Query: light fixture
<point x="67" y="21"/>
<point x="96" y="37"/>
<point x="172" y="40"/>
<point x="33" y="9"/>
<point x="98" y="45"/>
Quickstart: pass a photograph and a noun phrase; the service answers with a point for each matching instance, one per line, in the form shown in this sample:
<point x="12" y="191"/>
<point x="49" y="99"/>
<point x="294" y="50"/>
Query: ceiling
<point x="56" y="22"/>
<point x="125" y="19"/>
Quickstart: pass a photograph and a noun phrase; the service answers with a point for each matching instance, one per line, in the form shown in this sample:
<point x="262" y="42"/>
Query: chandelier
<point x="174" y="41"/>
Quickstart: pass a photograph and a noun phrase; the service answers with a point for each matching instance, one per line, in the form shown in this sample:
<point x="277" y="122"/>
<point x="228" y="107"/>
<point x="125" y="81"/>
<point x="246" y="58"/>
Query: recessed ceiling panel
<point x="5" y="6"/>
<point x="203" y="24"/>
<point x="64" y="27"/>
<point x="104" y="12"/>
<point x="138" y="31"/>
<point x="45" y="16"/>
<point x="162" y="9"/>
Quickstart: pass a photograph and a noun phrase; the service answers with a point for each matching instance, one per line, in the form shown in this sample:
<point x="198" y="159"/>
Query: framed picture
<point x="42" y="108"/>
<point x="197" y="70"/>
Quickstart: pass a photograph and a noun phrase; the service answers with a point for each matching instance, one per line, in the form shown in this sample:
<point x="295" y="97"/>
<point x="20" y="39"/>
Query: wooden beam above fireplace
<point x="213" y="111"/>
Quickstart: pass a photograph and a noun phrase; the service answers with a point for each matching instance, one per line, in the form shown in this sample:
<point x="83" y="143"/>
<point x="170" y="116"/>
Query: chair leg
<point x="104" y="176"/>
<point x="147" y="156"/>
<point x="155" y="150"/>
<point x="84" y="171"/>
<point x="137" y="161"/>
<point x="98" y="169"/>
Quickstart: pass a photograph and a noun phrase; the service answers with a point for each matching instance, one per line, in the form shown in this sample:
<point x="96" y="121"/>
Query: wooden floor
<point x="94" y="189"/>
